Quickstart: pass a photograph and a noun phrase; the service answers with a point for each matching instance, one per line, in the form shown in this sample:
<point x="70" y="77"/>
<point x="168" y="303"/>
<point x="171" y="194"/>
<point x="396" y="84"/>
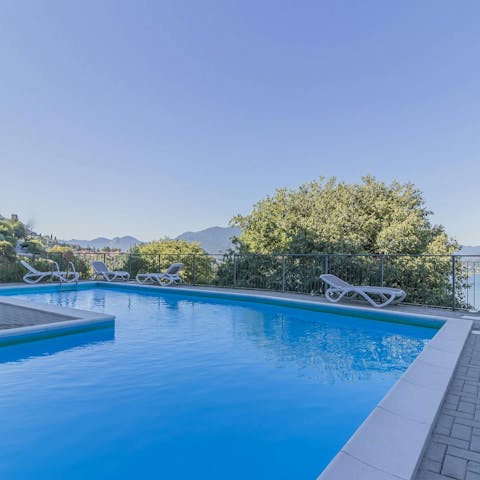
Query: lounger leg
<point x="401" y="298"/>
<point x="373" y="303"/>
<point x="142" y="278"/>
<point x="330" y="294"/>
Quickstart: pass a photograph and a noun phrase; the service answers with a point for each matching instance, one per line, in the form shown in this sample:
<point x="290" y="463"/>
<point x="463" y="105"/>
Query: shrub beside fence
<point x="449" y="281"/>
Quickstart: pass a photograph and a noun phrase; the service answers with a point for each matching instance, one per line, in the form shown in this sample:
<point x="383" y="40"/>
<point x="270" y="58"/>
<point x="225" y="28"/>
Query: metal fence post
<point x="283" y="273"/>
<point x="193" y="268"/>
<point x="234" y="270"/>
<point x="382" y="269"/>
<point x="453" y="282"/>
<point x="130" y="264"/>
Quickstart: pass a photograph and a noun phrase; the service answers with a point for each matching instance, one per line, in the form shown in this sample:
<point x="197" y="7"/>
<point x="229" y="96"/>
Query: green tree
<point x="19" y="229"/>
<point x="336" y="217"/>
<point x="158" y="256"/>
<point x="7" y="250"/>
<point x="34" y="246"/>
<point x="367" y="223"/>
<point x="6" y="232"/>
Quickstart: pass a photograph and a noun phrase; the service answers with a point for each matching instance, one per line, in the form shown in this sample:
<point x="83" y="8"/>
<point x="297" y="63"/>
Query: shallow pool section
<point x="193" y="388"/>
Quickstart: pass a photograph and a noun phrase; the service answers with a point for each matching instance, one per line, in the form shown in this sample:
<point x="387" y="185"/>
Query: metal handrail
<point x="70" y="264"/>
<point x="60" y="278"/>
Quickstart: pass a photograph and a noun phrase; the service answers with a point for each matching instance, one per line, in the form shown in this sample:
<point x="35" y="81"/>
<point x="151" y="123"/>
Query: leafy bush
<point x="7" y="250"/>
<point x="158" y="256"/>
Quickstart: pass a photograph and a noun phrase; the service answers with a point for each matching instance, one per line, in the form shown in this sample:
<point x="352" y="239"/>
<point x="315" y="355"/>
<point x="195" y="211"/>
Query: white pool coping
<point x="390" y="443"/>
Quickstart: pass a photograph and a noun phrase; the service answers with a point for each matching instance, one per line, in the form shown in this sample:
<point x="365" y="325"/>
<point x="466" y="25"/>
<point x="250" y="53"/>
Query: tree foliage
<point x="328" y="216"/>
<point x="363" y="224"/>
<point x="158" y="256"/>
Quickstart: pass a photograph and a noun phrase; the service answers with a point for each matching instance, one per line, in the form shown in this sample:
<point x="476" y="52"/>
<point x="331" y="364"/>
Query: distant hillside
<point x="213" y="239"/>
<point x="122" y="243"/>
<point x="469" y="250"/>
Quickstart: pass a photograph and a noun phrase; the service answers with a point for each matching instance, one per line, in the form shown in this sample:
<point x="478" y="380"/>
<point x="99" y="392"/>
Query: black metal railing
<point x="448" y="281"/>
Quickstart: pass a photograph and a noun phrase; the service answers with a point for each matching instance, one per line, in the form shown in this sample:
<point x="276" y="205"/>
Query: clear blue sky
<point x="151" y="118"/>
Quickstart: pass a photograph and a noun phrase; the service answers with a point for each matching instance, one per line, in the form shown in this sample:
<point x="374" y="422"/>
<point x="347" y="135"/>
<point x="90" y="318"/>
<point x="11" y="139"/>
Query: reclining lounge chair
<point x="169" y="277"/>
<point x="100" y="269"/>
<point x="34" y="276"/>
<point x="378" y="297"/>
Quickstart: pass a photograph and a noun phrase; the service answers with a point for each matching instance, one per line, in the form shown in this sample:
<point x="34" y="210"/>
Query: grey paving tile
<point x="445" y="421"/>
<point x="467" y="421"/>
<point x="473" y="372"/>
<point x="426" y="475"/>
<point x="436" y="451"/>
<point x="442" y="430"/>
<point x="463" y="432"/>
<point x="469" y="397"/>
<point x="454" y="467"/>
<point x="475" y="443"/>
<point x="457" y="385"/>
<point x="466" y="407"/>
<point x="447" y="440"/>
<point x="463" y="453"/>
<point x="470" y="388"/>
<point x="458" y="413"/>
<point x="432" y="465"/>
<point x="452" y="398"/>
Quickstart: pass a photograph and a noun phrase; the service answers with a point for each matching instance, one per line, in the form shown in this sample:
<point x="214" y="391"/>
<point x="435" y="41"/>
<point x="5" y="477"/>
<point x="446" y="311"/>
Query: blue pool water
<point x="193" y="388"/>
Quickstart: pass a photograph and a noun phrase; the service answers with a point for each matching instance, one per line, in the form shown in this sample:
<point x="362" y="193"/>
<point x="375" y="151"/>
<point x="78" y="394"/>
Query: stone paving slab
<point x="22" y="320"/>
<point x="14" y="316"/>
<point x="453" y="451"/>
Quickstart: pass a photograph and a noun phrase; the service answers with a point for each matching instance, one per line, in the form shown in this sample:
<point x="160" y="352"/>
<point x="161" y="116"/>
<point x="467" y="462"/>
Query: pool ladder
<point x="64" y="280"/>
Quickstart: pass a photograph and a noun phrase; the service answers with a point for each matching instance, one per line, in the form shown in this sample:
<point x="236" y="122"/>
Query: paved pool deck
<point x="23" y="321"/>
<point x="453" y="451"/>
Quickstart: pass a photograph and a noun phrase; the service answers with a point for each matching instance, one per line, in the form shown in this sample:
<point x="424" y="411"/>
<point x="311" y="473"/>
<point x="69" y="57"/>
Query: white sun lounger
<point x="100" y="269"/>
<point x="378" y="297"/>
<point x="34" y="276"/>
<point x="169" y="277"/>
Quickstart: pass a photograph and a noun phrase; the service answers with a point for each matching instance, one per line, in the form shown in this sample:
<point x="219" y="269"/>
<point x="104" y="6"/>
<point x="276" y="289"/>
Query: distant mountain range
<point x="122" y="243"/>
<point x="213" y="239"/>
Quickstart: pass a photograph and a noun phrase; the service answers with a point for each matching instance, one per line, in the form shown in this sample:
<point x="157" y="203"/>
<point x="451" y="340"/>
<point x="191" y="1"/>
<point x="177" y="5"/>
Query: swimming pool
<point x="190" y="387"/>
